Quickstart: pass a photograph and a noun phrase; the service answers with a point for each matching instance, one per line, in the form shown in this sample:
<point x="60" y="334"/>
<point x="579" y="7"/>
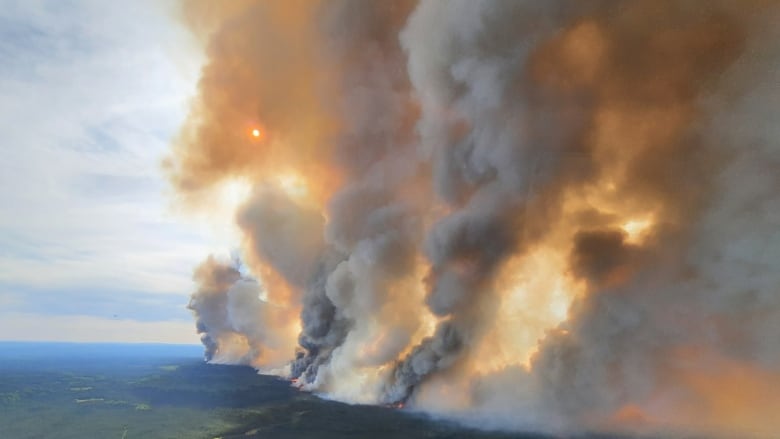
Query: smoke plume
<point x="552" y="215"/>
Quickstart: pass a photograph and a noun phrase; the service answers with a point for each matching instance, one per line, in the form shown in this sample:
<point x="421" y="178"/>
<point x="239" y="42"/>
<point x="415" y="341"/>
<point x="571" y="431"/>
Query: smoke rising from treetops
<point x="556" y="215"/>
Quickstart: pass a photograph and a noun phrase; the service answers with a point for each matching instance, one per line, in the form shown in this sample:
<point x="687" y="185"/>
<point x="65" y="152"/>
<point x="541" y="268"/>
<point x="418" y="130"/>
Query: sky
<point x="91" y="249"/>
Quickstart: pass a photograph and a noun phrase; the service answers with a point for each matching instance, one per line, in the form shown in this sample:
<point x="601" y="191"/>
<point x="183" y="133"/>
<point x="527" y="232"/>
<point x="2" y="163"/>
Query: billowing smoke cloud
<point x="557" y="215"/>
<point x="236" y="325"/>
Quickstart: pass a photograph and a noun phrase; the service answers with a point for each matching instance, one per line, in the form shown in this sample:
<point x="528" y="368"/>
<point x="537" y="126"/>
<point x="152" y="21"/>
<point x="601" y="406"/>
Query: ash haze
<point x="91" y="93"/>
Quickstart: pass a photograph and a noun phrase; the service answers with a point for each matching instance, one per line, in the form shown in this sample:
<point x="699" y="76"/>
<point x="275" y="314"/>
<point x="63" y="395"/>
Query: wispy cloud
<point x="36" y="327"/>
<point x="90" y="95"/>
<point x="115" y="303"/>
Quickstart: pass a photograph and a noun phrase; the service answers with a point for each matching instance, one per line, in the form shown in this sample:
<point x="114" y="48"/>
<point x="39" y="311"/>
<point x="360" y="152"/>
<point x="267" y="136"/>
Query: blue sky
<point x="91" y="93"/>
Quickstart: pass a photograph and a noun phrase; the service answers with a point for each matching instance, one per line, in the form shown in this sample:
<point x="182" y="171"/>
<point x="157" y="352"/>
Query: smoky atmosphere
<point x="530" y="219"/>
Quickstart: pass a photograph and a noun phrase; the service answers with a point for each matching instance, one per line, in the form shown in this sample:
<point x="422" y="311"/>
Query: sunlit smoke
<point x="635" y="229"/>
<point x="558" y="216"/>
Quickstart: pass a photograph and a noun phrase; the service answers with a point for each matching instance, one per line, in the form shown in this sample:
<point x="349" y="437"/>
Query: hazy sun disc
<point x="257" y="133"/>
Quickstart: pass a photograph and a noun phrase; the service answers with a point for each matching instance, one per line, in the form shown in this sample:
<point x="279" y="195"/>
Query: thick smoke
<point x="236" y="325"/>
<point x="557" y="215"/>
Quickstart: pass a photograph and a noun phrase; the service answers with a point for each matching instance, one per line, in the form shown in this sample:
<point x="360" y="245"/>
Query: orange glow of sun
<point x="257" y="133"/>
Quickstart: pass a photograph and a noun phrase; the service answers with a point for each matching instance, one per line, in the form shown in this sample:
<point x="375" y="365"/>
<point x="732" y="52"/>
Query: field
<point x="63" y="391"/>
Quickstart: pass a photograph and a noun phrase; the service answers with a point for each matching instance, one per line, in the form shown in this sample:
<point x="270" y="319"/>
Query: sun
<point x="257" y="133"/>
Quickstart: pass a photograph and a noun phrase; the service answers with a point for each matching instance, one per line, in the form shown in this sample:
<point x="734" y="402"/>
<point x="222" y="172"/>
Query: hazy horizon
<point x="65" y="342"/>
<point x="91" y="248"/>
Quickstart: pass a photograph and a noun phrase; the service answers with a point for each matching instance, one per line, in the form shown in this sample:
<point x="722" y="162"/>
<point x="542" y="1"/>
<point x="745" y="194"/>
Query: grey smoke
<point x="472" y="132"/>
